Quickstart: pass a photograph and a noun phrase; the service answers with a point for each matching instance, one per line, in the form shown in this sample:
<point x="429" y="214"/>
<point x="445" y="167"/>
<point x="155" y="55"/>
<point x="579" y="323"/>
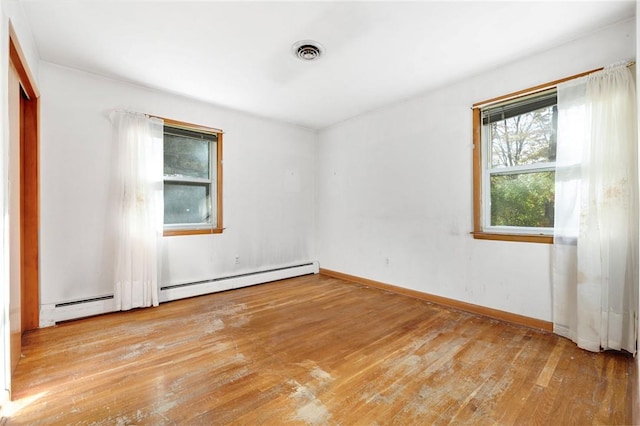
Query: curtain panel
<point x="595" y="253"/>
<point x="139" y="209"/>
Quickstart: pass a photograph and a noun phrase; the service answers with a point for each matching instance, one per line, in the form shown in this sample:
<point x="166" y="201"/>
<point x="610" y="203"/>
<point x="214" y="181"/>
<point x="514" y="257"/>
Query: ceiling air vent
<point x="307" y="50"/>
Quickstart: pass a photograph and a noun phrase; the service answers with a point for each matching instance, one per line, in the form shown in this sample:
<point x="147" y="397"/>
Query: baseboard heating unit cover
<point x="52" y="313"/>
<point x="181" y="291"/>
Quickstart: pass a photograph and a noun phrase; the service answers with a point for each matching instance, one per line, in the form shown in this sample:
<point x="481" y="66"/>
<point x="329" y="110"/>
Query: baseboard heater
<point x="181" y="291"/>
<point x="50" y="314"/>
<point x="53" y="313"/>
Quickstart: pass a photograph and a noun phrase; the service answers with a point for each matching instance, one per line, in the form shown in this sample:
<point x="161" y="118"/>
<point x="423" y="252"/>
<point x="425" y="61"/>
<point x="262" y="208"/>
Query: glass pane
<point x="186" y="157"/>
<point x="524" y="199"/>
<point x="527" y="138"/>
<point x="186" y="203"/>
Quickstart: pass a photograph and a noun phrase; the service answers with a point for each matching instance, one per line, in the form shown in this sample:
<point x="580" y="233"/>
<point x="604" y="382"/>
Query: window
<point x="514" y="167"/>
<point x="192" y="179"/>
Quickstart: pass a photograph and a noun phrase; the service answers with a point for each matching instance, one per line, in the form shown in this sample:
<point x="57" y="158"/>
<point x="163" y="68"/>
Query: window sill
<point x="523" y="238"/>
<point x="182" y="232"/>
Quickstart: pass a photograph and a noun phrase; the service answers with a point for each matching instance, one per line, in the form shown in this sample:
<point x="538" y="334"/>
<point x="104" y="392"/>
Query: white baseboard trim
<point x="52" y="313"/>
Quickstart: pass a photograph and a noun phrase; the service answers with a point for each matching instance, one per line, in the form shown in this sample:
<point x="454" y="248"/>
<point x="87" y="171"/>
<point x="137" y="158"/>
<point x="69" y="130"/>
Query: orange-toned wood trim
<point x="219" y="211"/>
<point x="477" y="171"/>
<point x="189" y="126"/>
<point x="30" y="199"/>
<point x="452" y="303"/>
<point x="477" y="195"/>
<point x="523" y="238"/>
<point x="220" y="224"/>
<point x="532" y="90"/>
<point x="477" y="163"/>
<point x="182" y="232"/>
<point x="635" y="391"/>
<point x="16" y="55"/>
<point x="29" y="186"/>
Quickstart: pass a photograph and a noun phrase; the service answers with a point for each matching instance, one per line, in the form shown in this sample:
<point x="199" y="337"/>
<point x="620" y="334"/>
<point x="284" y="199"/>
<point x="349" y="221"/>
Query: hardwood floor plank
<point x="311" y="350"/>
<point x="549" y="368"/>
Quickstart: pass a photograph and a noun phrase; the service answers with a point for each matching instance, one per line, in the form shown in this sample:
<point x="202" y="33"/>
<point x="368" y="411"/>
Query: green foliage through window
<point x="519" y="141"/>
<point x="524" y="199"/>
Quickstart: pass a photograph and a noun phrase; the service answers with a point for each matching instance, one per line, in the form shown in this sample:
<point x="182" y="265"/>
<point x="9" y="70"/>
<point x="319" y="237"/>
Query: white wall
<point x="392" y="184"/>
<point x="266" y="224"/>
<point x="396" y="184"/>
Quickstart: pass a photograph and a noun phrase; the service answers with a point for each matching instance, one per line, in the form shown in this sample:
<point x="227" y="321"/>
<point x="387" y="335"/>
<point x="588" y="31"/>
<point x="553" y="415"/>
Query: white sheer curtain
<point x="595" y="255"/>
<point x="139" y="209"/>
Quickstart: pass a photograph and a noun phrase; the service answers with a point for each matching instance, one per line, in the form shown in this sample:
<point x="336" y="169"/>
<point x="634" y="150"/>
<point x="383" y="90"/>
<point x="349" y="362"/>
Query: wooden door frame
<point x="29" y="187"/>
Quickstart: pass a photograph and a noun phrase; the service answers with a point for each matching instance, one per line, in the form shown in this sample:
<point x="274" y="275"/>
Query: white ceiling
<point x="238" y="54"/>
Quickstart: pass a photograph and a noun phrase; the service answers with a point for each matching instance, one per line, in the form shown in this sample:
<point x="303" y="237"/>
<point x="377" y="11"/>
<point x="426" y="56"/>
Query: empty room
<point x="320" y="213"/>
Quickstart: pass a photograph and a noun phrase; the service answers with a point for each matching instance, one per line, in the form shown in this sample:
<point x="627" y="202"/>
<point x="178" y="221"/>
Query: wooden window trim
<point x="523" y="238"/>
<point x="478" y="232"/>
<point x="532" y="90"/>
<point x="219" y="226"/>
<point x="189" y="126"/>
<point x="180" y="232"/>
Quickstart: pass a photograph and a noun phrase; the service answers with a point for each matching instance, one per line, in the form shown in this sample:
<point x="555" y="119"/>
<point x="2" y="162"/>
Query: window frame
<point x="171" y="230"/>
<point x="480" y="176"/>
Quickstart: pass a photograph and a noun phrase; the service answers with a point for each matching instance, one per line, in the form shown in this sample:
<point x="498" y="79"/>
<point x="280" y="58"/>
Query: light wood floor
<point x="311" y="350"/>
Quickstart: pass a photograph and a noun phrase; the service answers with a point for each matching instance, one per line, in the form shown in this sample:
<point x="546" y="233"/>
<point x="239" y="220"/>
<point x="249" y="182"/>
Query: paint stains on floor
<point x="308" y="405"/>
<point x="310" y="351"/>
